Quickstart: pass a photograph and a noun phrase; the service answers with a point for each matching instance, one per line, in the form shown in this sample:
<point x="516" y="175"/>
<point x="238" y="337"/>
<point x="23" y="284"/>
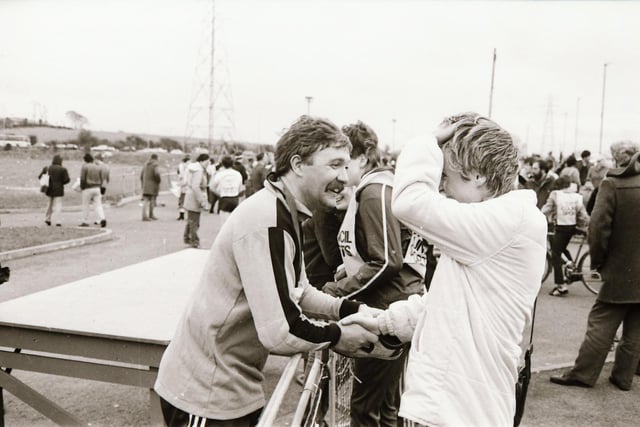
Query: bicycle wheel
<point x="589" y="277"/>
<point x="548" y="267"/>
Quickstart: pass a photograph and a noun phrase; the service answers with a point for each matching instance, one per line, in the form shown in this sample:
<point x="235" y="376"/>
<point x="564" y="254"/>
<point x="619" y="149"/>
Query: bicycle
<point x="576" y="271"/>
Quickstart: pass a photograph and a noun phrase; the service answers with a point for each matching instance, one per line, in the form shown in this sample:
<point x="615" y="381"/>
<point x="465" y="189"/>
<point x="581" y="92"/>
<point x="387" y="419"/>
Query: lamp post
<point x="604" y="86"/>
<point x="309" y="99"/>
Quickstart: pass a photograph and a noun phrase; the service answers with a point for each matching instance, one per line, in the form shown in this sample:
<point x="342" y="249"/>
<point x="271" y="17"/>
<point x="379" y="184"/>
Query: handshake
<point x="361" y="337"/>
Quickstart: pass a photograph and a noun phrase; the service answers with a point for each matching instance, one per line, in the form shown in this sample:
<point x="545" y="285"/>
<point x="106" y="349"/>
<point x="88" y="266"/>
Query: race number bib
<point x="416" y="255"/>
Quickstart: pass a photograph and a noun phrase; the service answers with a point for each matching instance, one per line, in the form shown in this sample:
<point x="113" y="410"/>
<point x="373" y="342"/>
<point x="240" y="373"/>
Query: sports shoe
<point x="58" y="225"/>
<point x="568" y="381"/>
<point x="103" y="223"/>
<point x="84" y="224"/>
<point x="153" y="218"/>
<point x="47" y="222"/>
<point x="559" y="291"/>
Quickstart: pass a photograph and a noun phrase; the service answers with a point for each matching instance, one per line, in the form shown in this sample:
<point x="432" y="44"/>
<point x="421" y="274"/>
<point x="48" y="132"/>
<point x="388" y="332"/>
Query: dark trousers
<point x="375" y="398"/>
<point x="148" y="203"/>
<point x="559" y="244"/>
<point x="175" y="417"/>
<point x="213" y="198"/>
<point x="191" y="228"/>
<point x="603" y="323"/>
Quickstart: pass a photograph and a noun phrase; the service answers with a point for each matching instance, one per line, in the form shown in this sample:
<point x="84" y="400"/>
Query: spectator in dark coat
<point x="614" y="234"/>
<point x="258" y="175"/>
<point x="583" y="165"/>
<point x="150" y="177"/>
<point x="237" y="165"/>
<point x="541" y="181"/>
<point x="58" y="177"/>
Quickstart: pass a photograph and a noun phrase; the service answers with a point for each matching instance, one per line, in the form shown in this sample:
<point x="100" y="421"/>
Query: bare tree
<point x="76" y="119"/>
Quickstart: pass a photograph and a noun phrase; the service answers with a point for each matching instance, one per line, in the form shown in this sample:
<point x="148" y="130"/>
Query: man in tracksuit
<point x="254" y="297"/>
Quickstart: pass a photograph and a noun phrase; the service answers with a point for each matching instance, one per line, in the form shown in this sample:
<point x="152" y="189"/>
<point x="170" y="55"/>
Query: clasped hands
<point x="359" y="335"/>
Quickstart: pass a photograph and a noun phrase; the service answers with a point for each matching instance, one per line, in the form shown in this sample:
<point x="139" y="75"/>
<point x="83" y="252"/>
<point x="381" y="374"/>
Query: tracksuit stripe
<point x="299" y="326"/>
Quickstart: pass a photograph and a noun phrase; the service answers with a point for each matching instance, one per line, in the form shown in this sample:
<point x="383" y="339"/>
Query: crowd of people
<point x="332" y="247"/>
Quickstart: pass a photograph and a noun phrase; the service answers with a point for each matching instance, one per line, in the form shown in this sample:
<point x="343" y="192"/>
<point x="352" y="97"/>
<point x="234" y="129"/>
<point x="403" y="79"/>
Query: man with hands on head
<point x="253" y="297"/>
<point x="466" y="331"/>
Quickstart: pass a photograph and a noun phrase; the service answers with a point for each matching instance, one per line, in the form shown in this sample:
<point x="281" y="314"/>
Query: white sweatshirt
<point x="467" y="330"/>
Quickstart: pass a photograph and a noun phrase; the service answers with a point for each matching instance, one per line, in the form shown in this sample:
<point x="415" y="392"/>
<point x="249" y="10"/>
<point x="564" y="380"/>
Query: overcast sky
<point x="136" y="66"/>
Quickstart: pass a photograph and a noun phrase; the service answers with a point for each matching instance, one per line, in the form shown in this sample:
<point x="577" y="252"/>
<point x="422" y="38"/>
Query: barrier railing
<point x="273" y="405"/>
<point x="326" y="396"/>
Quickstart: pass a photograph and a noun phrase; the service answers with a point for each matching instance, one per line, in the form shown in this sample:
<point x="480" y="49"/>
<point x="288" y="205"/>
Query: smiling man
<point x="254" y="297"/>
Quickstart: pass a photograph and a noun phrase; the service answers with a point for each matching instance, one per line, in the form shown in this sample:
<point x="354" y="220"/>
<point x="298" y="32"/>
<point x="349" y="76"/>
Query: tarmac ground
<point x="559" y="329"/>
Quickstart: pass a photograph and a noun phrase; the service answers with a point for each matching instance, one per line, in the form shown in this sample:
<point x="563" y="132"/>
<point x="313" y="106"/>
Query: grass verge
<point x="24" y="237"/>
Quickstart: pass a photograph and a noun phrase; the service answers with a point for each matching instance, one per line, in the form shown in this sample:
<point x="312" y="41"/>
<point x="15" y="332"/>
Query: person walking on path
<point x="91" y="182"/>
<point x="195" y="200"/>
<point x="182" y="183"/>
<point x="614" y="234"/>
<point x="227" y="186"/>
<point x="151" y="178"/>
<point x="58" y="178"/>
<point x="212" y="169"/>
<point x="104" y="172"/>
<point x="254" y="297"/>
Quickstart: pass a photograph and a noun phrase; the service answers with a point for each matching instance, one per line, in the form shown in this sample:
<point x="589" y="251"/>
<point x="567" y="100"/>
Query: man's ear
<point x="363" y="161"/>
<point x="479" y="180"/>
<point x="296" y="164"/>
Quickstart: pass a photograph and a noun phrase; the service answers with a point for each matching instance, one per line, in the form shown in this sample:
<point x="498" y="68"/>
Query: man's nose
<point x="342" y="175"/>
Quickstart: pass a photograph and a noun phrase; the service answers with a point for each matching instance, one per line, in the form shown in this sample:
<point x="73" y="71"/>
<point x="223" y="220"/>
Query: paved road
<point x="560" y="322"/>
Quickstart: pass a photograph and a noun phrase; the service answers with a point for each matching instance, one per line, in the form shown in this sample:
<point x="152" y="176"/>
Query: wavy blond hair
<point x="480" y="145"/>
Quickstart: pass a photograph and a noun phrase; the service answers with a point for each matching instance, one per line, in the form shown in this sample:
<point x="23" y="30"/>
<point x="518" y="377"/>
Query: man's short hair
<point x="545" y="165"/>
<point x="585" y="154"/>
<point x="480" y="145"/>
<point x="571" y="161"/>
<point x="88" y="158"/>
<point x="622" y="151"/>
<point x="306" y="136"/>
<point x="260" y="156"/>
<point x="364" y="141"/>
<point x="227" y="162"/>
<point x="202" y="157"/>
<point x="154" y="156"/>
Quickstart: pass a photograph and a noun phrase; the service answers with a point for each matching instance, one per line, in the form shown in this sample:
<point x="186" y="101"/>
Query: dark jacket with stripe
<point x="253" y="299"/>
<point x="614" y="235"/>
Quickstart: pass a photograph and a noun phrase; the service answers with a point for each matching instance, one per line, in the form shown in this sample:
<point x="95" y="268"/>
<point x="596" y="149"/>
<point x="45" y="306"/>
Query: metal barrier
<point x="273" y="405"/>
<point x="326" y="397"/>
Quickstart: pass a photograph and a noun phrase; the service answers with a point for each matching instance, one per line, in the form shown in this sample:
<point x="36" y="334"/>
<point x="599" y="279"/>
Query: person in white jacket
<point x="466" y="331"/>
<point x="195" y="200"/>
<point x="227" y="186"/>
